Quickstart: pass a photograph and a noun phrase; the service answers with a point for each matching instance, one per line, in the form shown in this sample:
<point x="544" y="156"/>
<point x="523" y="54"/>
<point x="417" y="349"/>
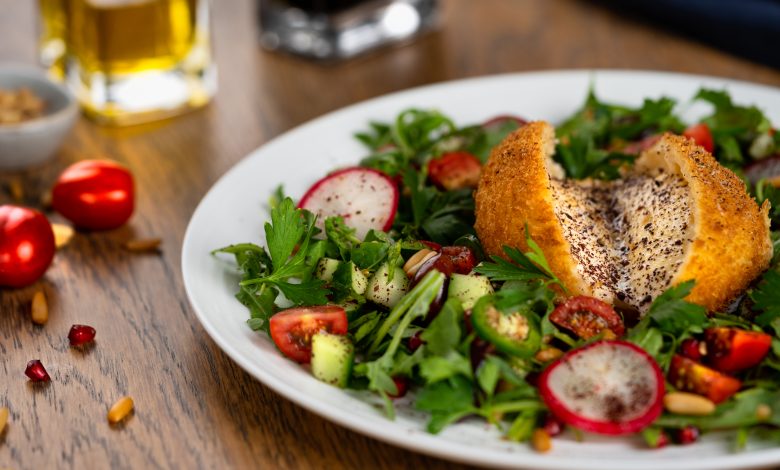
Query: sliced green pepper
<point x="516" y="333"/>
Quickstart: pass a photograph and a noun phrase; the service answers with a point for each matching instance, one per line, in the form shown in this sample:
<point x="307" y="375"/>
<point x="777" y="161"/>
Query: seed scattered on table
<point x="120" y="410"/>
<point x="3" y="418"/>
<point x="143" y="245"/>
<point x="36" y="372"/>
<point x="81" y="334"/>
<point x="62" y="234"/>
<point x="39" y="311"/>
<point x="16" y="190"/>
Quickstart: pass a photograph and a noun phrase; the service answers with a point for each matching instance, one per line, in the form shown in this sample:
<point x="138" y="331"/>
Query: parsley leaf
<point x="523" y="266"/>
<point x="283" y="270"/>
<point x="675" y="315"/>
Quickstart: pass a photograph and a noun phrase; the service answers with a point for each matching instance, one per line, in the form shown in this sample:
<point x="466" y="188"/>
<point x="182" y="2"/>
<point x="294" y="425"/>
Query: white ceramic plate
<point x="234" y="211"/>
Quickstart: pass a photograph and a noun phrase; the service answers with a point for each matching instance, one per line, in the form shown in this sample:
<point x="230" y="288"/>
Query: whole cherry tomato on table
<point x="26" y="245"/>
<point x="95" y="194"/>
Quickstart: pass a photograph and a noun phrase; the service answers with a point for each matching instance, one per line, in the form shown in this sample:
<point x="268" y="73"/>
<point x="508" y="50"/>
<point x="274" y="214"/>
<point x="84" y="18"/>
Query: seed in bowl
<point x="19" y="105"/>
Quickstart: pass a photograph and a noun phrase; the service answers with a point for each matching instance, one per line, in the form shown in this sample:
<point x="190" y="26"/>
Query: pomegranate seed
<point x="415" y="341"/>
<point x="690" y="349"/>
<point x="401" y="384"/>
<point x="687" y="435"/>
<point x="36" y="372"/>
<point x="552" y="425"/>
<point x="663" y="440"/>
<point x="81" y="334"/>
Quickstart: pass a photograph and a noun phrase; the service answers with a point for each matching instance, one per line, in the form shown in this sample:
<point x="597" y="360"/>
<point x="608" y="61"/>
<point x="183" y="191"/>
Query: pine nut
<point x="16" y="190"/>
<point x="39" y="311"/>
<point x="548" y="354"/>
<point x="45" y="200"/>
<point x="540" y="440"/>
<point x="143" y="244"/>
<point x="120" y="410"/>
<point x="413" y="264"/>
<point x="763" y="412"/>
<point x="3" y="418"/>
<point x="683" y="403"/>
<point x="62" y="234"/>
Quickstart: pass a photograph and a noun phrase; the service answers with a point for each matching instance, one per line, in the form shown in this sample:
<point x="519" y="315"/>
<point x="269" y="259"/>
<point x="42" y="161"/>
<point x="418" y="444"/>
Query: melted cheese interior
<point x="628" y="236"/>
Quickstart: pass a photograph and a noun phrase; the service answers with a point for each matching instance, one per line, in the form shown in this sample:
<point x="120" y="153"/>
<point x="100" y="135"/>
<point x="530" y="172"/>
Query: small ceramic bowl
<point x="34" y="141"/>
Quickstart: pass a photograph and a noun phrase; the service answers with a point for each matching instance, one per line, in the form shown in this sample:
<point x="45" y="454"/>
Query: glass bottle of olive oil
<point x="130" y="61"/>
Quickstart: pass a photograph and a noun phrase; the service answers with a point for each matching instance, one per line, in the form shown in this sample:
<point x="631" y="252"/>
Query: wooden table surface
<point x="194" y="406"/>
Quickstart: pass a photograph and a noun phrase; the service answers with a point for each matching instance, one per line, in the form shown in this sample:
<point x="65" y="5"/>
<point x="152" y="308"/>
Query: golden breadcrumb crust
<point x="730" y="247"/>
<point x="731" y="244"/>
<point x="514" y="191"/>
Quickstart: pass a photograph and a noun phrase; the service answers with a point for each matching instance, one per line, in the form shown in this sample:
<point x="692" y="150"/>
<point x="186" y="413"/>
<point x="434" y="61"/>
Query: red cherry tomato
<point x="455" y="170"/>
<point x="733" y="349"/>
<point x="293" y="328"/>
<point x="690" y="376"/>
<point x="702" y="135"/>
<point x="95" y="194"/>
<point x="587" y="317"/>
<point x="401" y="386"/>
<point x="26" y="245"/>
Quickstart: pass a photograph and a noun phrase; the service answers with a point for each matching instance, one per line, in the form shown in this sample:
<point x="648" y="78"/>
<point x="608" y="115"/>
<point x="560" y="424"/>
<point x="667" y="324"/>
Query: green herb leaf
<point x="443" y="334"/>
<point x="675" y="315"/>
<point x="283" y="232"/>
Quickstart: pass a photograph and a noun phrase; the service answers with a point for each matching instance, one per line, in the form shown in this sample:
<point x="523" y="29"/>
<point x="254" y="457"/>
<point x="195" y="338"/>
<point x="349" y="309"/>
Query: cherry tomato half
<point x="95" y="194"/>
<point x="690" y="376"/>
<point x="587" y="317"/>
<point x="733" y="349"/>
<point x="26" y="245"/>
<point x="293" y="328"/>
<point x="455" y="170"/>
<point x="702" y="135"/>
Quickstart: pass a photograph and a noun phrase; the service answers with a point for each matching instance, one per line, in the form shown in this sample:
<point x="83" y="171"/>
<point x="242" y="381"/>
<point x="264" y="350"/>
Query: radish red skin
<point x="560" y="410"/>
<point x="308" y="201"/>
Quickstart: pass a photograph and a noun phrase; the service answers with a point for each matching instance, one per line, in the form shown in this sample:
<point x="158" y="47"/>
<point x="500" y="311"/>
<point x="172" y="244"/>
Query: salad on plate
<point x="376" y="280"/>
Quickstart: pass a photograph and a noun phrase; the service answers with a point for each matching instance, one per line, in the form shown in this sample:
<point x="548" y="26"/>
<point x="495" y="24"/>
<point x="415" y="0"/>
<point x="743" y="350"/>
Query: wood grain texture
<point x="194" y="407"/>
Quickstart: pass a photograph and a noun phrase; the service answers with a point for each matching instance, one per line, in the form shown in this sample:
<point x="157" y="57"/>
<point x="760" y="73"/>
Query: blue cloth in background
<point x="747" y="28"/>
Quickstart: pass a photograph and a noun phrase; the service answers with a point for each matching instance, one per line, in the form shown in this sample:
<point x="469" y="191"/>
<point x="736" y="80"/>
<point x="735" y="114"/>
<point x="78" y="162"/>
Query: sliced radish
<point x="606" y="387"/>
<point x="366" y="199"/>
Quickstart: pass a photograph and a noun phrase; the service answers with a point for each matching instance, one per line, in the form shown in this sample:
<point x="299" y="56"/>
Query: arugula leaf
<point x="447" y="401"/>
<point x="378" y="136"/>
<point x="766" y="191"/>
<point x="444" y="332"/>
<point x="341" y="235"/>
<point x="581" y="159"/>
<point x="438" y="216"/>
<point x="437" y="368"/>
<point x="733" y="127"/>
<point x="766" y="298"/>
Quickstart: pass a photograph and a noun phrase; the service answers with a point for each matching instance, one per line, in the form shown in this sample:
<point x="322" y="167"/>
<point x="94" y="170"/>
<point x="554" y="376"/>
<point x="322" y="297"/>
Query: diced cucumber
<point x="386" y="291"/>
<point x="348" y="282"/>
<point x="468" y="288"/>
<point x="325" y="269"/>
<point x="332" y="357"/>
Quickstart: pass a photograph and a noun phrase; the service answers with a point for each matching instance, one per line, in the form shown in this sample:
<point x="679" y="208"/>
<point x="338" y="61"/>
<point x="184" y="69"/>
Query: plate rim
<point x="422" y="443"/>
